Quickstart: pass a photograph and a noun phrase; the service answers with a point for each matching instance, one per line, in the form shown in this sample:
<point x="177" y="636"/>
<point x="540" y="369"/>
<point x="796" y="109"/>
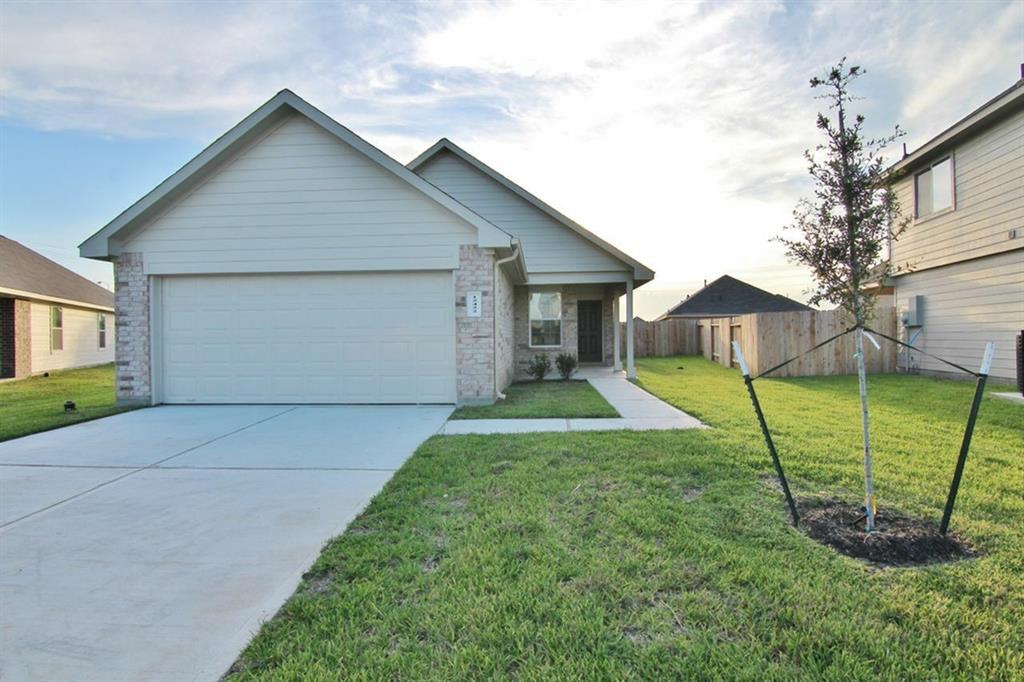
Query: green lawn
<point x="665" y="555"/>
<point x="539" y="399"/>
<point x="37" y="403"/>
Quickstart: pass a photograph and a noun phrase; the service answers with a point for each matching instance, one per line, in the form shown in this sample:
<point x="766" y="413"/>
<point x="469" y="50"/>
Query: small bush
<point x="567" y="364"/>
<point x="539" y="366"/>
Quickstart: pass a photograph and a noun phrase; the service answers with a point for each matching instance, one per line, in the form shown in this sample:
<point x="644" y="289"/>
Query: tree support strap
<point x="915" y="348"/>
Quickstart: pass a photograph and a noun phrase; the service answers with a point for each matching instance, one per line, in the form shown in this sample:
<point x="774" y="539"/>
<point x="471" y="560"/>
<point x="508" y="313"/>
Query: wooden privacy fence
<point x="768" y="339"/>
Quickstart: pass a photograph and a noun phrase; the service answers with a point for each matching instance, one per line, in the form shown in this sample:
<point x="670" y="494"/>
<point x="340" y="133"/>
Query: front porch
<point x="578" y="319"/>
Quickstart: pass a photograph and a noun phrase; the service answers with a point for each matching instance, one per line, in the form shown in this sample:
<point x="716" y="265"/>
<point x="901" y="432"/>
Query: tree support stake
<point x="979" y="393"/>
<point x="764" y="430"/>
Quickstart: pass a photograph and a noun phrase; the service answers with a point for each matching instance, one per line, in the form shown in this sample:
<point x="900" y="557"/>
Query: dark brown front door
<point x="589" y="341"/>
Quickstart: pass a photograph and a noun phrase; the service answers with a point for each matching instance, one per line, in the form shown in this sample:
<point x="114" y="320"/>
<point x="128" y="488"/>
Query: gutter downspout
<point x="494" y="287"/>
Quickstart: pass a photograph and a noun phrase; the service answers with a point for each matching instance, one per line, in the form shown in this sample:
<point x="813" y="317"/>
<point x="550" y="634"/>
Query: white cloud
<point x="674" y="130"/>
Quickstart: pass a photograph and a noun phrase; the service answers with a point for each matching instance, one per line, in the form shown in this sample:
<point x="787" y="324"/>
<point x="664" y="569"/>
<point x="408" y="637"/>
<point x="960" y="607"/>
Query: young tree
<point x="844" y="229"/>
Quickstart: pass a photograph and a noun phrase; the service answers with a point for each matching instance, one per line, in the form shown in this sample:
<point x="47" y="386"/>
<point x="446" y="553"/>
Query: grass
<point x="540" y="399"/>
<point x="668" y="554"/>
<point x="37" y="403"/>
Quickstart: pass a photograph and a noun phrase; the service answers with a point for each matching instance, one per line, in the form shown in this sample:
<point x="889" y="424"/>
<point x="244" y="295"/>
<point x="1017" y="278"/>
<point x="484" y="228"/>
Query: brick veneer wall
<point x="131" y="302"/>
<point x="15" y="338"/>
<point x="571" y="295"/>
<point x="474" y="336"/>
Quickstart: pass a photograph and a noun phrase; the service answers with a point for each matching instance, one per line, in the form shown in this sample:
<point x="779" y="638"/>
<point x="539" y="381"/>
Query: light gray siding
<point x="300" y="200"/>
<point x="989" y="202"/>
<point x="81" y="338"/>
<point x="549" y="246"/>
<point x="966" y="305"/>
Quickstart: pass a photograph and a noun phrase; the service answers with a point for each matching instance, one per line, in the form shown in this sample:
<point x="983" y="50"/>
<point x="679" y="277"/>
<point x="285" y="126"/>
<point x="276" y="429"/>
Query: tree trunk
<point x="869" y="476"/>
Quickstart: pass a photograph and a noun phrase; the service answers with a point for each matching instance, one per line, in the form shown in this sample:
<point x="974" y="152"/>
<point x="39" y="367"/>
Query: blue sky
<point x="674" y="130"/>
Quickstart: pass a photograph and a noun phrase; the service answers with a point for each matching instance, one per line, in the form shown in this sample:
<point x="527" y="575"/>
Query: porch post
<point x="617" y="334"/>
<point x="630" y="367"/>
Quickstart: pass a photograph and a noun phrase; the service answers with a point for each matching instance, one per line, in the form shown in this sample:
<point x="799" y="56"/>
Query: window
<point x="545" y="320"/>
<point x="56" y="328"/>
<point x="101" y="329"/>
<point x="933" y="189"/>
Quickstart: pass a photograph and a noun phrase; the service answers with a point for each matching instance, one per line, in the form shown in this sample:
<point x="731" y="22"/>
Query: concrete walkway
<point x="639" y="410"/>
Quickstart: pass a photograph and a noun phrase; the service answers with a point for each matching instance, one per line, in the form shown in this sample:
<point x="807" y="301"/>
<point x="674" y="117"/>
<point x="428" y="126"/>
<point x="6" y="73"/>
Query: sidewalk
<point x="638" y="410"/>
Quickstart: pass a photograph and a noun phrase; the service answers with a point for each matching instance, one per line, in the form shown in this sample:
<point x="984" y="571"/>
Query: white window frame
<point x="60" y="311"/>
<point x="952" y="189"/>
<point x="530" y="319"/>
<point x="101" y="331"/>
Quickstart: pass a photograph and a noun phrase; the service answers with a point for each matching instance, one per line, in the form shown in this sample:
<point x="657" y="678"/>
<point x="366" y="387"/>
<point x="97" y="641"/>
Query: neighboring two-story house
<point x="964" y="194"/>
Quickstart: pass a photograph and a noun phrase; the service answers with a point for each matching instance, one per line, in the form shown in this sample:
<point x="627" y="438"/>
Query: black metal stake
<point x="979" y="393"/>
<point x="764" y="430"/>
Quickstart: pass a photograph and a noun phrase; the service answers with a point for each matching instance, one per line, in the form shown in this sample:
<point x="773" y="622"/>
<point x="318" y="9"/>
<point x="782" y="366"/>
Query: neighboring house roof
<point x="728" y="296"/>
<point x="641" y="272"/>
<point x="105" y="243"/>
<point x="1001" y="105"/>
<point x="26" y="274"/>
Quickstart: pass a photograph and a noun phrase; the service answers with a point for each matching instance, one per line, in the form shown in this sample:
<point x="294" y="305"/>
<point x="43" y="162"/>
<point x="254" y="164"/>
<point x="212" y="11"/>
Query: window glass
<point x="923" y="193"/>
<point x="942" y="185"/>
<point x="545" y="319"/>
<point x="56" y="328"/>
<point x="101" y="329"/>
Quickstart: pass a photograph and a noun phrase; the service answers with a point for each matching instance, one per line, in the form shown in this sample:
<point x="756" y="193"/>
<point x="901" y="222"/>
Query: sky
<point x="673" y="130"/>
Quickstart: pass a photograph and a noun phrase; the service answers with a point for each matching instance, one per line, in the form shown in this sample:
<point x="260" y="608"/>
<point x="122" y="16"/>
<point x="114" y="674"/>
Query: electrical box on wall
<point x="474" y="304"/>
<point x="913" y="316"/>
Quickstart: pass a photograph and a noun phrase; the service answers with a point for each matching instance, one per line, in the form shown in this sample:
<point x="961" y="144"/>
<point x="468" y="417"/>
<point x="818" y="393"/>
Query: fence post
<point x="764" y="430"/>
<point x="979" y="392"/>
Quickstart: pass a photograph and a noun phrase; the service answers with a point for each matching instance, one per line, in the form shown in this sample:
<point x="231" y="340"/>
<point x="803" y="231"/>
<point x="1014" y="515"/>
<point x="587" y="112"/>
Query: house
<point x="728" y="297"/>
<point x="293" y="262"/>
<point x="50" y="317"/>
<point x="963" y="193"/>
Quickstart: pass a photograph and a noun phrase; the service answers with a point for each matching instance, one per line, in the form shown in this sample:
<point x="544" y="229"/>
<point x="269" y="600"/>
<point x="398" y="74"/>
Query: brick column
<point x="15" y="338"/>
<point x="474" y="336"/>
<point x="131" y="303"/>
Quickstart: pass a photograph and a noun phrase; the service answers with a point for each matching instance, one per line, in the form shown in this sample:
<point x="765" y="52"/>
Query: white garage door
<point x="319" y="338"/>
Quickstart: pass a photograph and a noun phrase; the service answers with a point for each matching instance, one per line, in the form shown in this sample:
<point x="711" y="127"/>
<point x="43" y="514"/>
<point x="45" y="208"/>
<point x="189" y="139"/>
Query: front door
<point x="589" y="341"/>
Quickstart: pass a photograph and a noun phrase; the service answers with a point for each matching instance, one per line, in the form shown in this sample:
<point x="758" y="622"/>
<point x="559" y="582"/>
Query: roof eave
<point x="997" y="106"/>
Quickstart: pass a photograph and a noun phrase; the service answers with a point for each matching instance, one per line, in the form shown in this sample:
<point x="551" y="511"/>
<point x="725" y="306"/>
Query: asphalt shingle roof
<point x="23" y="269"/>
<point x="728" y="296"/>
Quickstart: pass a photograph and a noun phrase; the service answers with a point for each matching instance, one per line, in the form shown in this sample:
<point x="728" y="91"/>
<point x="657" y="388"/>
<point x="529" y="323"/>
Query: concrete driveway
<point x="150" y="545"/>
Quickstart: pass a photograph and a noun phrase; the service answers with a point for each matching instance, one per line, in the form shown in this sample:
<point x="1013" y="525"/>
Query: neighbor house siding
<point x="989" y="202"/>
<point x="966" y="305"/>
<point x="548" y="245"/>
<point x="300" y="200"/>
<point x="81" y="340"/>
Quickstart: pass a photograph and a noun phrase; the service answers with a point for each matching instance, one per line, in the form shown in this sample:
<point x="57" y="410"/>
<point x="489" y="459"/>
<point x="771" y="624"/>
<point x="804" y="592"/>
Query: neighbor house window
<point x="933" y="188"/>
<point x="101" y="329"/>
<point x="56" y="328"/>
<point x="545" y="319"/>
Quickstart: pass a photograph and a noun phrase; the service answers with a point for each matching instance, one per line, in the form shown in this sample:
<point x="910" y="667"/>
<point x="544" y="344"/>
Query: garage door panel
<point x="357" y="338"/>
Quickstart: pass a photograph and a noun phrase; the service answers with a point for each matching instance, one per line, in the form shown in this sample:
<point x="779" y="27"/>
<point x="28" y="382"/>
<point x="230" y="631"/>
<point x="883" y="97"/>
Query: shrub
<point x="539" y="366"/>
<point x="567" y="364"/>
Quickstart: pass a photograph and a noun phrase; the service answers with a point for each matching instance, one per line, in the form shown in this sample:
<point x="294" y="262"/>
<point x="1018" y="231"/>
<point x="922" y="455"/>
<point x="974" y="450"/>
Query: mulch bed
<point x="899" y="540"/>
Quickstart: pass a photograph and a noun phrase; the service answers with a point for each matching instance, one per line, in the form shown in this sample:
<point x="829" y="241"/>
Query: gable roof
<point x="105" y="244"/>
<point x="27" y="274"/>
<point x="728" y="296"/>
<point x="1003" y="104"/>
<point x="640" y="271"/>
